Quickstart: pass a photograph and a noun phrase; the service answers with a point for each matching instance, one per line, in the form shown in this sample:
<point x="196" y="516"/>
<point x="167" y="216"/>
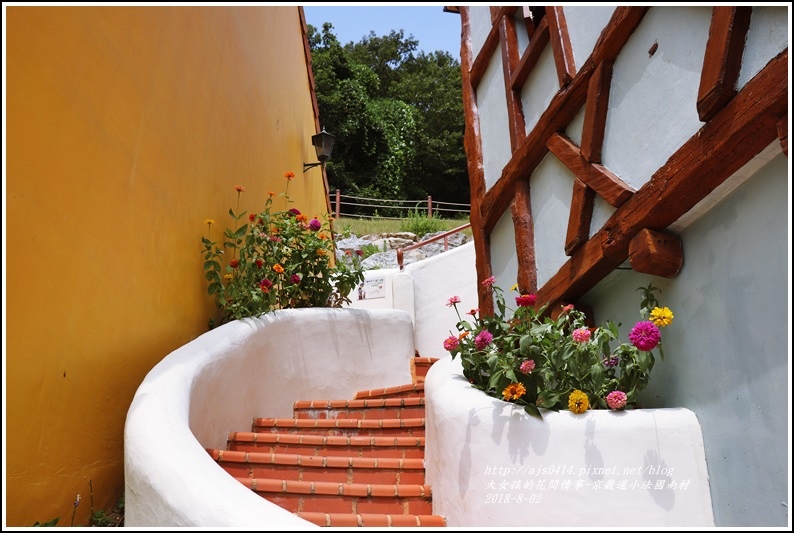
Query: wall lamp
<point x="323" y="144"/>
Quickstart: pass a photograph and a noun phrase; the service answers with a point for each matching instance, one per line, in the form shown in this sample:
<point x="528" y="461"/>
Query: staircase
<point x="342" y="463"/>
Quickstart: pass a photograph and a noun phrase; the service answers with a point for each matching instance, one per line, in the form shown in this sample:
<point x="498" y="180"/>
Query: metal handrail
<point x="438" y="237"/>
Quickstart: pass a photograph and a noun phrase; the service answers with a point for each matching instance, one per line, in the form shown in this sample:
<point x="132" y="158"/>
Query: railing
<point x="379" y="203"/>
<point x="438" y="237"/>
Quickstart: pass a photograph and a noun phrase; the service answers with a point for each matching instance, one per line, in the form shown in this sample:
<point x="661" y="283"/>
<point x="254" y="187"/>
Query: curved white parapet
<point x="220" y="381"/>
<point x="491" y="464"/>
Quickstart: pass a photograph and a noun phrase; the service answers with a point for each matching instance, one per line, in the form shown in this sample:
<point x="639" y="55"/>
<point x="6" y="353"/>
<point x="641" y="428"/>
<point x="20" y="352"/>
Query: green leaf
<point x="240" y="232"/>
<point x="533" y="411"/>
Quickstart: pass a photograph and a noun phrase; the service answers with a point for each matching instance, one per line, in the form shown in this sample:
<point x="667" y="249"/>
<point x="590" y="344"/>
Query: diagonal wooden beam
<point x="595" y="112"/>
<point x="723" y="58"/>
<point x="531" y="55"/>
<point x="564" y="106"/>
<point x="525" y="239"/>
<point x="561" y="44"/>
<point x="736" y="134"/>
<point x="483" y="59"/>
<point x="580" y="216"/>
<point x="515" y="114"/>
<point x="608" y="186"/>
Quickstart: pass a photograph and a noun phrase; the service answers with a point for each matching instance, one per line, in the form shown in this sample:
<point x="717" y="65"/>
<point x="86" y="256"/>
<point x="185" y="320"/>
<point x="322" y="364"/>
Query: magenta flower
<point x="526" y="300"/>
<point x="616" y="400"/>
<point x="265" y="284"/>
<point x="581" y="334"/>
<point x="314" y="224"/>
<point x="294" y="211"/>
<point x="452" y="301"/>
<point x="483" y="339"/>
<point x="295" y="279"/>
<point x="450" y="343"/>
<point x="487" y="282"/>
<point x="645" y="335"/>
<point x="611" y="362"/>
<point x="527" y="366"/>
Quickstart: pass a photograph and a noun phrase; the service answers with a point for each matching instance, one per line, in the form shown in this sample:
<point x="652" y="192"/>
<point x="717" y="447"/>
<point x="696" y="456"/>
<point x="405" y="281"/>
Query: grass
<point x="414" y="224"/>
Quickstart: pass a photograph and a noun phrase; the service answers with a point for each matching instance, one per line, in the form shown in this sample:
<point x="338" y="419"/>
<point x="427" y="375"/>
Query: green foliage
<point x="279" y="259"/>
<point x="368" y="226"/>
<point x="101" y="519"/>
<point x="537" y="361"/>
<point x="420" y="224"/>
<point x="397" y="114"/>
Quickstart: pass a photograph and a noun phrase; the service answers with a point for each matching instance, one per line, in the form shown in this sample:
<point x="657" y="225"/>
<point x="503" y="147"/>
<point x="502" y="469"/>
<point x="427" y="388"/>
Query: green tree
<point x="397" y="115"/>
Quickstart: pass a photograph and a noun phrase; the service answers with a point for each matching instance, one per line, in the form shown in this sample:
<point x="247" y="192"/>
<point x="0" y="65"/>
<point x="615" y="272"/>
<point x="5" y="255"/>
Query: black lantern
<point x="323" y="144"/>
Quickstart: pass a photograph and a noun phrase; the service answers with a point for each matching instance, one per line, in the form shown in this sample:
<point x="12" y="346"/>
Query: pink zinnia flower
<point x="567" y="308"/>
<point x="487" y="282"/>
<point x="581" y="334"/>
<point x="483" y="339"/>
<point x="616" y="400"/>
<point x="452" y="301"/>
<point x="527" y="366"/>
<point x="314" y="224"/>
<point x="450" y="343"/>
<point x="526" y="300"/>
<point x="473" y="312"/>
<point x="645" y="335"/>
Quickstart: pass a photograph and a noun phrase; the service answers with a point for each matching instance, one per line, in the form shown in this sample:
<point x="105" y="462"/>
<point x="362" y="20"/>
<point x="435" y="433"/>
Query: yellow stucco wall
<point x="127" y="127"/>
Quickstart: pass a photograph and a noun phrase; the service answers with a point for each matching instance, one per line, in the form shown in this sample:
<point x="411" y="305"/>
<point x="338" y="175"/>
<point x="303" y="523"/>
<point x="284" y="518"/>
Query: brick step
<point x="354" y="498"/>
<point x="325" y="445"/>
<point x="420" y="366"/>
<point x="373" y="470"/>
<point x="373" y="520"/>
<point x="406" y="427"/>
<point x="367" y="409"/>
<point x="400" y="391"/>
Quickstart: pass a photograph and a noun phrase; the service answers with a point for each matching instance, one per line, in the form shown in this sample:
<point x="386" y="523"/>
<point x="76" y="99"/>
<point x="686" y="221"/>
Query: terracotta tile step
<point x="373" y="470"/>
<point x="346" y="446"/>
<point x="407" y="427"/>
<point x="373" y="520"/>
<point x="366" y="409"/>
<point x="400" y="391"/>
<point x="420" y="366"/>
<point x="355" y="498"/>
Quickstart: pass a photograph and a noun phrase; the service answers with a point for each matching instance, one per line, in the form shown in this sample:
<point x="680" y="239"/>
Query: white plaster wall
<point x="480" y="22"/>
<point x="494" y="132"/>
<point x="551" y="190"/>
<point x="435" y="280"/>
<point x="728" y="350"/>
<point x="541" y="86"/>
<point x="492" y="465"/>
<point x="769" y="34"/>
<point x="585" y="24"/>
<point x="652" y="100"/>
<point x="504" y="267"/>
<point x="220" y="381"/>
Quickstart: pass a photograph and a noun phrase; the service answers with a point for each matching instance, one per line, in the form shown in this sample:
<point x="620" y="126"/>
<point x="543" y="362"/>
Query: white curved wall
<point x="491" y="464"/>
<point x="218" y="382"/>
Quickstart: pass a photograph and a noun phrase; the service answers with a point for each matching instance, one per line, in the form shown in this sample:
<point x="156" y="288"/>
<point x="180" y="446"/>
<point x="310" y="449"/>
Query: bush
<point x="420" y="224"/>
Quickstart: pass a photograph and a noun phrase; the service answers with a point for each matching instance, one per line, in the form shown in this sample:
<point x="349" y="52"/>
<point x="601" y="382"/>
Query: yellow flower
<point x="578" y="402"/>
<point x="278" y="268"/>
<point x="662" y="316"/>
<point x="514" y="287"/>
<point x="209" y="221"/>
<point x="514" y="391"/>
<point x="228" y="276"/>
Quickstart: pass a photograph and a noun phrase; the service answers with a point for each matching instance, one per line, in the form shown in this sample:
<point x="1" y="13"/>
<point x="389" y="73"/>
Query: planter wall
<point x="491" y="464"/>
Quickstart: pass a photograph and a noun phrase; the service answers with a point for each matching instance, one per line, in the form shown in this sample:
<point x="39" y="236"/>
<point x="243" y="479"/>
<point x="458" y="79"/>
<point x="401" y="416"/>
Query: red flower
<point x="234" y="263"/>
<point x="259" y="263"/>
<point x="526" y="300"/>
<point x="251" y="217"/>
<point x="289" y="175"/>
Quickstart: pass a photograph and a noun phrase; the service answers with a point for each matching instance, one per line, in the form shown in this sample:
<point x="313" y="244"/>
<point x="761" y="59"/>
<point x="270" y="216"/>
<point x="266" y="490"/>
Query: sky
<point x="428" y="23"/>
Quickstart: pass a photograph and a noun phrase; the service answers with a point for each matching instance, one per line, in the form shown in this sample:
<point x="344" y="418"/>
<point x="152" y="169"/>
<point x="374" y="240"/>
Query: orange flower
<point x="289" y="175"/>
<point x="302" y="218"/>
<point x="278" y="268"/>
<point x="322" y="236"/>
<point x="320" y="252"/>
<point x="463" y="335"/>
<point x="271" y="193"/>
<point x="239" y="188"/>
<point x="514" y="391"/>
